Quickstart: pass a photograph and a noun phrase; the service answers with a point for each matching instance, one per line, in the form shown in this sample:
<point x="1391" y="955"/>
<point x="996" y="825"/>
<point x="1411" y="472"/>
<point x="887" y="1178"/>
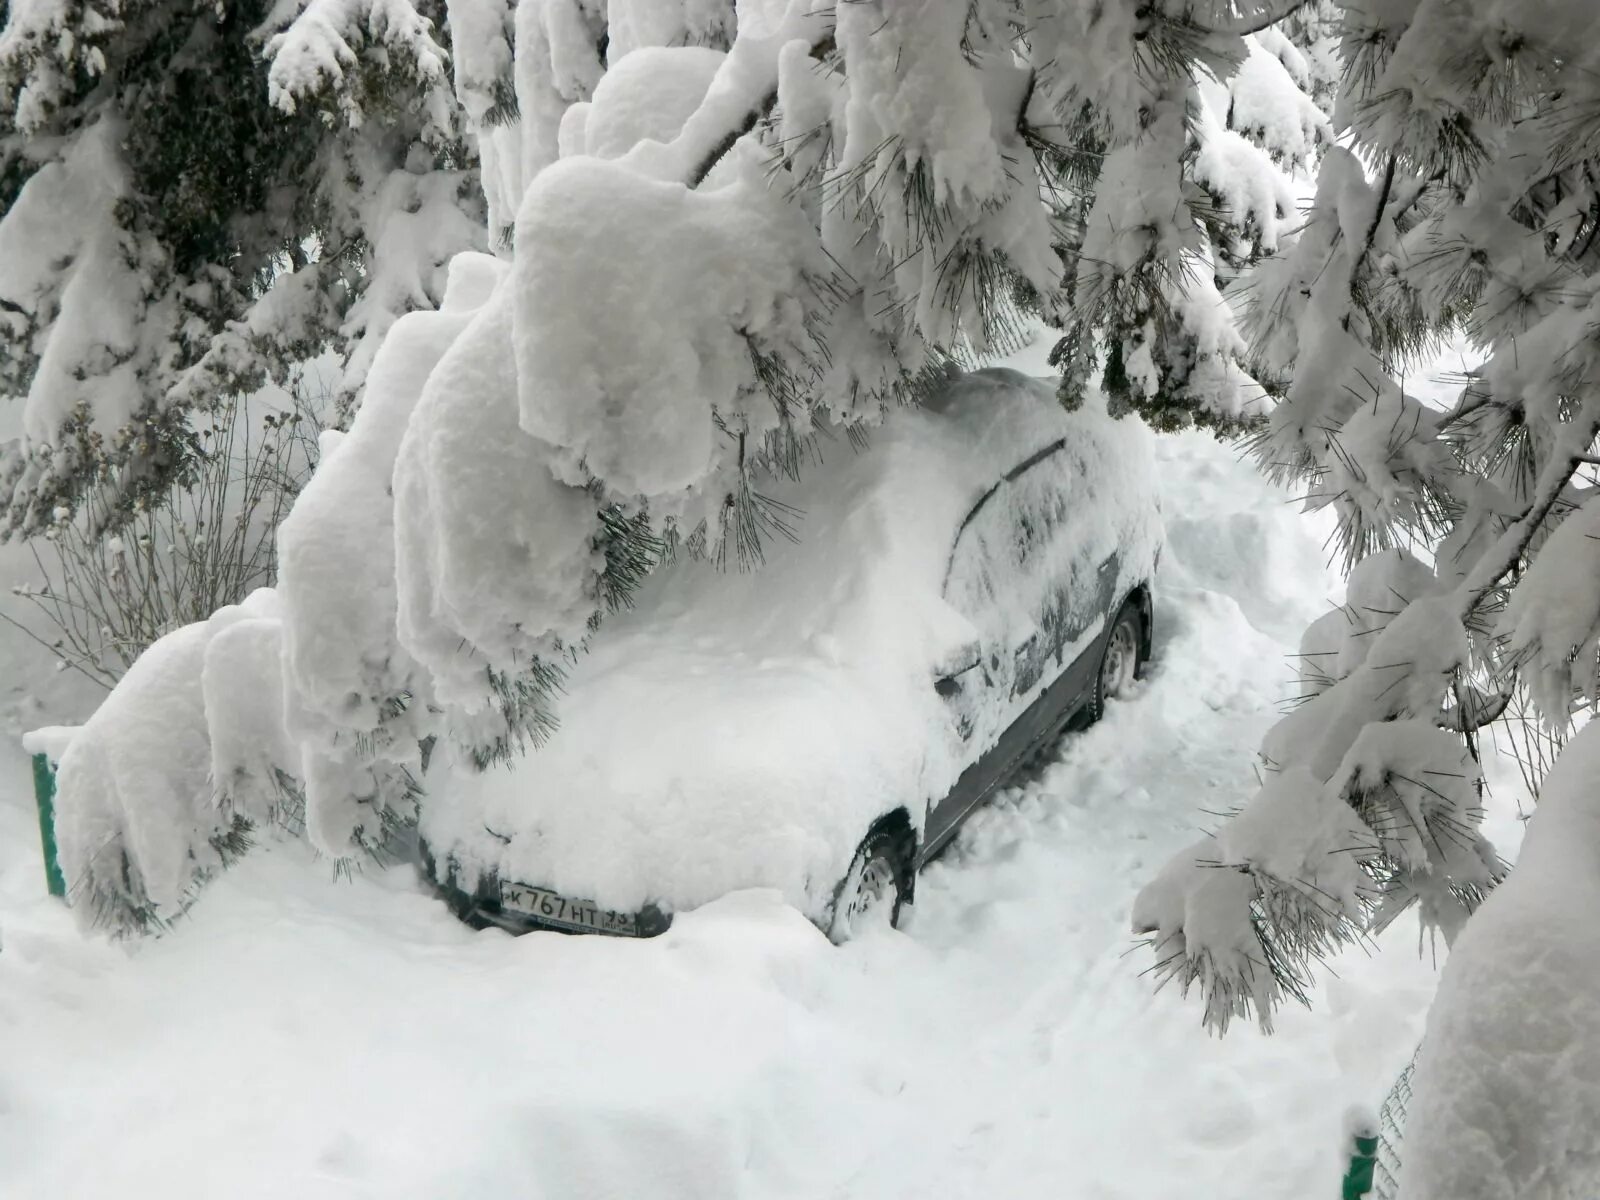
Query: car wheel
<point x="873" y="889"/>
<point x="1119" y="663"/>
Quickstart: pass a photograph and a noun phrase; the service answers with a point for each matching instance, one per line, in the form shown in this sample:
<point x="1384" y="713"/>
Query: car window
<point x="1021" y="571"/>
<point x="993" y="577"/>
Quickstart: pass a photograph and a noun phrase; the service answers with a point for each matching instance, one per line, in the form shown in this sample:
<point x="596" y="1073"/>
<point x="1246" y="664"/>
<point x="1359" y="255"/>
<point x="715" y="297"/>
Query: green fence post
<point x="1358" y="1179"/>
<point x="44" y="791"/>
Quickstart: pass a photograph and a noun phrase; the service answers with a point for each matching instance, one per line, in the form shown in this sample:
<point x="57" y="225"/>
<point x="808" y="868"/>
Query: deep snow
<point x="303" y="1036"/>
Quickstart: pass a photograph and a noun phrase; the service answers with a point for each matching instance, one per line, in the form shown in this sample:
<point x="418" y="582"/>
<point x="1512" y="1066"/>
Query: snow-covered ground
<point x="303" y="1036"/>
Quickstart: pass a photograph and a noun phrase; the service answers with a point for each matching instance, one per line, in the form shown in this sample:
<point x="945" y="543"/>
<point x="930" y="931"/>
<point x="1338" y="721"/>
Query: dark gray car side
<point x="1064" y="612"/>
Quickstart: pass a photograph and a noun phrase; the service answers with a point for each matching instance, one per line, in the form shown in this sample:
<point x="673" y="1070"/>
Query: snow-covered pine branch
<point x="1192" y="141"/>
<point x="167" y="237"/>
<point x="1468" y="198"/>
<point x="330" y="45"/>
<point x="719" y="291"/>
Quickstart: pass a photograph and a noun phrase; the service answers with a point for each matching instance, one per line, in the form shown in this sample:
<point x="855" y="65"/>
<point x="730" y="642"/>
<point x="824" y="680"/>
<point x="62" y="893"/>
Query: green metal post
<point x="1358" y="1179"/>
<point x="44" y="791"/>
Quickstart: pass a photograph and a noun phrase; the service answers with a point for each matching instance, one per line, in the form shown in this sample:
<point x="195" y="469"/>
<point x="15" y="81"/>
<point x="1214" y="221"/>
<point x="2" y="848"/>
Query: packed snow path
<point x="302" y="1036"/>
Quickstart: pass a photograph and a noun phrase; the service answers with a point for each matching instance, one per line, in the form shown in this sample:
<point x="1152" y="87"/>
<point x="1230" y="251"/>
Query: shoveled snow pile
<point x="747" y="727"/>
<point x="302" y="1035"/>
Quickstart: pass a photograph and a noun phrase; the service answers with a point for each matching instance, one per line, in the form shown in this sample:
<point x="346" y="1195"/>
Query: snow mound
<point x="241" y="685"/>
<point x="476" y="508"/>
<point x="345" y="663"/>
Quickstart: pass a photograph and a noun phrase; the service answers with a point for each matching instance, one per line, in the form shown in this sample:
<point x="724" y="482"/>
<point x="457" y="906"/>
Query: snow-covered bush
<point x="722" y="228"/>
<point x="1464" y="197"/>
<point x="164" y="778"/>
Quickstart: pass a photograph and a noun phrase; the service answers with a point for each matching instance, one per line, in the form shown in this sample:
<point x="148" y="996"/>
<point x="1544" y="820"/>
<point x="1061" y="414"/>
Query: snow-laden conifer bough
<point x="351" y="148"/>
<point x="169" y="236"/>
<point x="1464" y="195"/>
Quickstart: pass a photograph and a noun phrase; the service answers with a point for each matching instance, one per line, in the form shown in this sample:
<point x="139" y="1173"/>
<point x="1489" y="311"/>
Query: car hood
<point x="674" y="786"/>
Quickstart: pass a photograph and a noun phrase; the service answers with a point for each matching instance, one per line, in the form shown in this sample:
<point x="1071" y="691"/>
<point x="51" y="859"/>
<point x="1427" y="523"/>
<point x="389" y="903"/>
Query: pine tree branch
<point x="1467" y="406"/>
<point x="1244" y="26"/>
<point x="1377" y="213"/>
<point x="1474" y="709"/>
<point x="720" y="151"/>
<point x="1508" y="549"/>
<point x="1372" y="229"/>
<point x="757" y="113"/>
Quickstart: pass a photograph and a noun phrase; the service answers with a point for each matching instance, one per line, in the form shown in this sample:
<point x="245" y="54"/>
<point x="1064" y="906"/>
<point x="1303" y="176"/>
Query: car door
<point x="1035" y="593"/>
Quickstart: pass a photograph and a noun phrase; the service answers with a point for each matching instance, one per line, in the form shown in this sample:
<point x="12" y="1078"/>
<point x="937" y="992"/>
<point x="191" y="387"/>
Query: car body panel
<point x="1037" y="725"/>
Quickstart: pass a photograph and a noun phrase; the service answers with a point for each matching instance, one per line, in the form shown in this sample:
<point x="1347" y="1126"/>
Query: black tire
<point x="1121" y="661"/>
<point x="879" y="874"/>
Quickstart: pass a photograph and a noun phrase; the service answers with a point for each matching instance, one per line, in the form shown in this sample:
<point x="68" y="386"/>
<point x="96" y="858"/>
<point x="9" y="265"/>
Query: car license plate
<point x="552" y="908"/>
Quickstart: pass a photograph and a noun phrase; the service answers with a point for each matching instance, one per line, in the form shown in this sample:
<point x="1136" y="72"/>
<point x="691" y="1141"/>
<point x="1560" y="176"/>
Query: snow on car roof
<point x="743" y="728"/>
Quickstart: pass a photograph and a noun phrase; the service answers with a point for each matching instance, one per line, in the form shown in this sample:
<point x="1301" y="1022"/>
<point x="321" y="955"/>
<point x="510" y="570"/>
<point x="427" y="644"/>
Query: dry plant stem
<point x="104" y="600"/>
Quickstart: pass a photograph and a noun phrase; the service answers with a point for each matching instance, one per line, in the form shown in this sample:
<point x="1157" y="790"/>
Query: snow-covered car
<point x="955" y="597"/>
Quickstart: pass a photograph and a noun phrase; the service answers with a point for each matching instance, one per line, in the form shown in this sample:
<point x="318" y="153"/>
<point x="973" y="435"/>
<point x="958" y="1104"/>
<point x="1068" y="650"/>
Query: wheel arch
<point x="1144" y="602"/>
<point x="897" y="824"/>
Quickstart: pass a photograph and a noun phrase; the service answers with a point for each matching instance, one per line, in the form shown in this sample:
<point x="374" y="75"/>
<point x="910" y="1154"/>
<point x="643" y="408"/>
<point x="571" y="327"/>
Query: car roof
<point x="891" y="508"/>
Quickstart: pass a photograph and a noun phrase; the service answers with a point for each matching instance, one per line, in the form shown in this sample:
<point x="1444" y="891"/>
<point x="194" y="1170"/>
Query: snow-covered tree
<point x="1184" y="182"/>
<point x="721" y="232"/>
<point x="1465" y="195"/>
<point x="1504" y="1101"/>
<point x="194" y="199"/>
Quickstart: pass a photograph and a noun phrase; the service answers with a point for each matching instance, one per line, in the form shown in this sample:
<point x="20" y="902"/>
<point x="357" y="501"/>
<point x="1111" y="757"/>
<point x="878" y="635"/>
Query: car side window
<point x="1024" y="574"/>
